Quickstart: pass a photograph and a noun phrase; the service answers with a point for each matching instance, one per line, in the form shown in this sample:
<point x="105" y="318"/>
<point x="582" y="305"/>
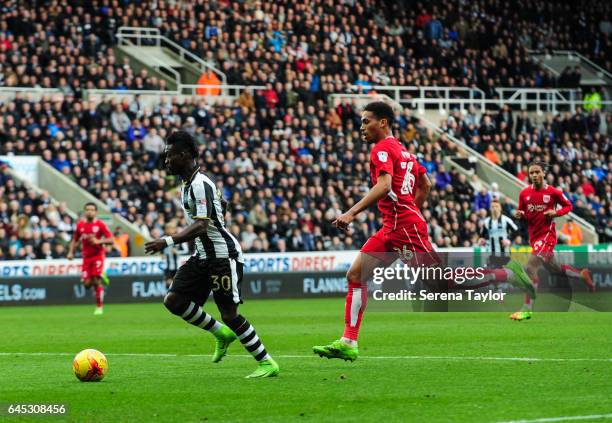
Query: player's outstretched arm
<point x="566" y="205"/>
<point x="191" y="232"/>
<point x="71" y="248"/>
<point x="422" y="190"/>
<point x="378" y="191"/>
<point x="108" y="241"/>
<point x="519" y="213"/>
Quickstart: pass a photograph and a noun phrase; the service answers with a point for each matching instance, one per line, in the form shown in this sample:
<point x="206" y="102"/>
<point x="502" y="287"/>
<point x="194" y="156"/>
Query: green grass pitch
<point x="421" y="367"/>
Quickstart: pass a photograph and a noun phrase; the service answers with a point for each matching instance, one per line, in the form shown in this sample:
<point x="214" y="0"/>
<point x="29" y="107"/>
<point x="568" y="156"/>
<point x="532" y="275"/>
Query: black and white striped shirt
<point x="202" y="200"/>
<point x="495" y="231"/>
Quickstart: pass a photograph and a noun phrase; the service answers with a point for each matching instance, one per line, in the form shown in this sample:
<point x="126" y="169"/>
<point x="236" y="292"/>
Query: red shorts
<point x="92" y="267"/>
<point x="543" y="248"/>
<point x="410" y="244"/>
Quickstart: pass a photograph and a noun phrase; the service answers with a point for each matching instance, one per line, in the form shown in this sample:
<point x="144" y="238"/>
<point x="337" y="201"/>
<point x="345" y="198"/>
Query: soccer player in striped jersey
<point x="539" y="205"/>
<point x="495" y="235"/>
<point x="216" y="265"/>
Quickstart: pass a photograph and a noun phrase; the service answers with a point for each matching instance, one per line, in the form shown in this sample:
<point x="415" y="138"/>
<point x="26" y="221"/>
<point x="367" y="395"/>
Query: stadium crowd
<point x="287" y="172"/>
<point x="319" y="46"/>
<point x="285" y="177"/>
<point x="284" y="159"/>
<point x="31" y="226"/>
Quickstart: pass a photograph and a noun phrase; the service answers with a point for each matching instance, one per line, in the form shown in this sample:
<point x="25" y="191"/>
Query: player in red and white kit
<point x="93" y="234"/>
<point x="539" y="205"/>
<point x="400" y="186"/>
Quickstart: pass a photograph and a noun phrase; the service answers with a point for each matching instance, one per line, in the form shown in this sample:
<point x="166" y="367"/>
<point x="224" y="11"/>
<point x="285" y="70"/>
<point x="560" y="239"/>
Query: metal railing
<point x="399" y="92"/>
<point x="31" y="93"/>
<point x="227" y="90"/>
<point x="231" y="92"/>
<point x="453" y="98"/>
<point x="549" y="97"/>
<point x="539" y="106"/>
<point x="136" y="36"/>
<point x="446" y="99"/>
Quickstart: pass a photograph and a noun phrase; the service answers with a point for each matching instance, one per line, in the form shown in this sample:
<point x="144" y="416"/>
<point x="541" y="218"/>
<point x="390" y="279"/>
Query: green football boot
<point x="266" y="368"/>
<point x="225" y="336"/>
<point x="521" y="315"/>
<point x="521" y="279"/>
<point x="105" y="279"/>
<point x="337" y="349"/>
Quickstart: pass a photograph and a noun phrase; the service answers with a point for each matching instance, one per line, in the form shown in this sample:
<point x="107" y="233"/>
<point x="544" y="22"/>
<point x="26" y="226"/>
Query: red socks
<point x="99" y="295"/>
<point x="528" y="303"/>
<point x="570" y="271"/>
<point x="356" y="301"/>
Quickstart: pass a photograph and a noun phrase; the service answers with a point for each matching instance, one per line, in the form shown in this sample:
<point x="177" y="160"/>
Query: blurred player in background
<point x="538" y="206"/>
<point x="93" y="235"/>
<point x="495" y="235"/>
<point x="172" y="254"/>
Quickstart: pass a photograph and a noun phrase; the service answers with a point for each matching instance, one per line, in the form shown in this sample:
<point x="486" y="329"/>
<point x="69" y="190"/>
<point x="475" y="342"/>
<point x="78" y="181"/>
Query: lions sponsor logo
<point x="95" y="229"/>
<point x="546" y="198"/>
<point x="538" y="244"/>
<point x="383" y="156"/>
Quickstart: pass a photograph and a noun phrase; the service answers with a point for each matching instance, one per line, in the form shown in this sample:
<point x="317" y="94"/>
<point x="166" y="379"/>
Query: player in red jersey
<point x="93" y="234"/>
<point x="538" y="205"/>
<point x="400" y="186"/>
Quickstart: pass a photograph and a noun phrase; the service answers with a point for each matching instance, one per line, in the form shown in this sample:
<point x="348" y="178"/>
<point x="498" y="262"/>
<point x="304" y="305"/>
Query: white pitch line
<point x="404" y="357"/>
<point x="563" y="419"/>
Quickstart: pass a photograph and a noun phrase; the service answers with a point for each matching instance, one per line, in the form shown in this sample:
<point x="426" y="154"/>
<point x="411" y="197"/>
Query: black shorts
<point x="198" y="277"/>
<point x="169" y="274"/>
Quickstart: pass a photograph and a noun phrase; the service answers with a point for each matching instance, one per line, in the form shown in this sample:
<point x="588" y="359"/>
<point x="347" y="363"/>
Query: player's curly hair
<point x="381" y="110"/>
<point x="184" y="141"/>
<point x="540" y="163"/>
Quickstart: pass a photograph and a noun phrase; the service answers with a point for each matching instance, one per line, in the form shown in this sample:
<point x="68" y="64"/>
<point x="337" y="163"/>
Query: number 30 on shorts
<point x="221" y="283"/>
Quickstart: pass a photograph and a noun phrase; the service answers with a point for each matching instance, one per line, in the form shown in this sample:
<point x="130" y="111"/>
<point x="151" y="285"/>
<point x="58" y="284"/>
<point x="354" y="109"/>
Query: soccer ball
<point x="90" y="366"/>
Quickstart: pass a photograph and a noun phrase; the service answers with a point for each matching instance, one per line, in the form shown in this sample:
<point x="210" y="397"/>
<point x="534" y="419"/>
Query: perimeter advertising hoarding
<point x="151" y="288"/>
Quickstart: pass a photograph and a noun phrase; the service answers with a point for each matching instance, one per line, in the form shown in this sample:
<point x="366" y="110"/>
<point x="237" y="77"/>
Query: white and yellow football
<point x="90" y="366"/>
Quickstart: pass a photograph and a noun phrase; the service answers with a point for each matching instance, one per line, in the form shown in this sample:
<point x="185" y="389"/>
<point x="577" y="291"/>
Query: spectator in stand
<point x="443" y="178"/>
<point x="420" y="47"/>
<point x="122" y="242"/>
<point x="482" y="200"/>
<point x="571" y="232"/>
